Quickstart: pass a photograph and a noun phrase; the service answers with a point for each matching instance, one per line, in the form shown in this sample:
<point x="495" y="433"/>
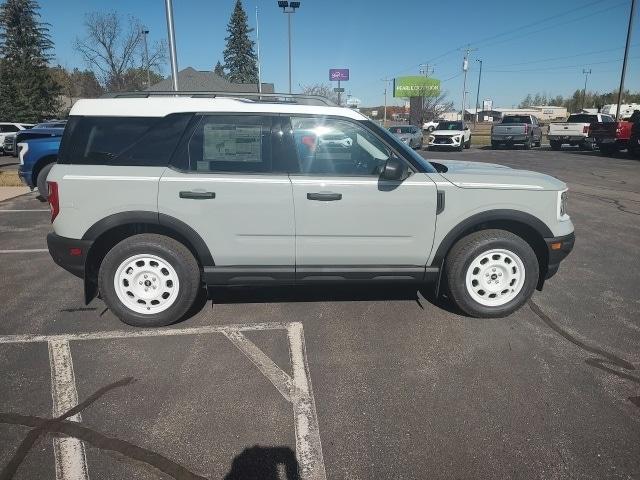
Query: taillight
<point x="526" y="128"/>
<point x="585" y="129"/>
<point x="54" y="200"/>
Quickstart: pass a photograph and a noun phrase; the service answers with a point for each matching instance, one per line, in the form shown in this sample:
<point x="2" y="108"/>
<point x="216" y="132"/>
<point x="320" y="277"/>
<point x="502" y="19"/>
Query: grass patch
<point x="10" y="179"/>
<point x="480" y="140"/>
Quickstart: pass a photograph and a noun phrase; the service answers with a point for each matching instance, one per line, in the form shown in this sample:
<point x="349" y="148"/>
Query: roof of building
<point x="160" y="106"/>
<point x="192" y="80"/>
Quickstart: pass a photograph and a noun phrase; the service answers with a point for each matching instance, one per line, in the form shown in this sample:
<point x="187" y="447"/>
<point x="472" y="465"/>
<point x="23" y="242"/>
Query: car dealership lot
<point x="391" y="385"/>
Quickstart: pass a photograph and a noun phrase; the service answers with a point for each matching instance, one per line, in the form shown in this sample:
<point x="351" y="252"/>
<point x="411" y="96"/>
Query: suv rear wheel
<point x="491" y="273"/>
<point x="149" y="280"/>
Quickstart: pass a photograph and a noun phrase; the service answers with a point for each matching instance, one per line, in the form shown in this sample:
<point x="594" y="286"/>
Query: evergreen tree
<point x="28" y="92"/>
<point x="219" y="70"/>
<point x="239" y="58"/>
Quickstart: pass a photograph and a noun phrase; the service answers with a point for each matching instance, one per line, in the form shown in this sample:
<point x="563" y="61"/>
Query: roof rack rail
<point x="295" y="98"/>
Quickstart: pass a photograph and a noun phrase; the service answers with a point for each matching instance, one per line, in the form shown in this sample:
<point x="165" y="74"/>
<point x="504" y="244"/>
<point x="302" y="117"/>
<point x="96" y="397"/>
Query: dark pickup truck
<point x="611" y="137"/>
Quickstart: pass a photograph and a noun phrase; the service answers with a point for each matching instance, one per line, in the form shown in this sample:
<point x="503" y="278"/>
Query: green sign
<point x="416" y="86"/>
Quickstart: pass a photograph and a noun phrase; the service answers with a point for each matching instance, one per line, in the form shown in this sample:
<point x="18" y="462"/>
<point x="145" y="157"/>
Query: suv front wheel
<point x="491" y="273"/>
<point x="149" y="280"/>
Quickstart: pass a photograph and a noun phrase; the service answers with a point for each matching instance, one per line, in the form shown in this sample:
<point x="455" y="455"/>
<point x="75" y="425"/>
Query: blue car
<point x="38" y="152"/>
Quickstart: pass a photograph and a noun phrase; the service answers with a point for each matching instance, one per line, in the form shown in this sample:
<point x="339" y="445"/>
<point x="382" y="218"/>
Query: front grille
<point x="442" y="139"/>
<point x="8" y="144"/>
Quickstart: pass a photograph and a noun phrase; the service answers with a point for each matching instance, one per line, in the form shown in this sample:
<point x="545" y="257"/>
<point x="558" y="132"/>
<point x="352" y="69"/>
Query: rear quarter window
<point x="126" y="141"/>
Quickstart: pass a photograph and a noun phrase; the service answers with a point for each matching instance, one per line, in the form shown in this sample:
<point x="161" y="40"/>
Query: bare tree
<point x="113" y="46"/>
<point x="320" y="89"/>
<point x="434" y="107"/>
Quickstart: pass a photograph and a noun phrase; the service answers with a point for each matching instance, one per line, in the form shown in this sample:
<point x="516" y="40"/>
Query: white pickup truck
<point x="575" y="131"/>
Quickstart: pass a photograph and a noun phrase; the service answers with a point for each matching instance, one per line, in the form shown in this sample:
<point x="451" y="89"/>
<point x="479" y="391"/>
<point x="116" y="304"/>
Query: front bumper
<point x="558" y="248"/>
<point x="69" y="253"/>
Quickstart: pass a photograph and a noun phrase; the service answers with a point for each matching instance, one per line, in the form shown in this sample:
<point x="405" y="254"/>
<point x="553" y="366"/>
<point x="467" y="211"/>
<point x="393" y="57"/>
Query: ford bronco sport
<point x="153" y="199"/>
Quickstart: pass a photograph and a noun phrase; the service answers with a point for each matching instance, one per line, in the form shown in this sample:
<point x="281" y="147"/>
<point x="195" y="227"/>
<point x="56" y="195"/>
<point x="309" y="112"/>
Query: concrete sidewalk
<point x="10" y="192"/>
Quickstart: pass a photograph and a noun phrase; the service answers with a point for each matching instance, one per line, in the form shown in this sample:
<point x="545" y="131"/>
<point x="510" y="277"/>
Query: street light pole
<point x="172" y="44"/>
<point x="478" y="93"/>
<point x="584" y="91"/>
<point x="386" y="82"/>
<point x="289" y="8"/>
<point x="626" y="54"/>
<point x="146" y="57"/>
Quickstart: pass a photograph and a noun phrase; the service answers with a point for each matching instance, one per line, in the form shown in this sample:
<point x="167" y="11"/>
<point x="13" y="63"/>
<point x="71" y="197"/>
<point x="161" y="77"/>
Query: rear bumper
<point x="570" y="138"/>
<point x="65" y="253"/>
<point x="509" y="138"/>
<point x="557" y="253"/>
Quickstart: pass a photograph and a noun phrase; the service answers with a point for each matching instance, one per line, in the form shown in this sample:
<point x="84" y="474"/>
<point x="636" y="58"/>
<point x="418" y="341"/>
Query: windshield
<point x="403" y="147"/>
<point x="450" y="126"/>
<point x="517" y="119"/>
<point x="401" y="129"/>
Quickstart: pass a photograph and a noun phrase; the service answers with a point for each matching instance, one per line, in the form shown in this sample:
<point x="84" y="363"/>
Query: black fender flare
<point x="153" y="218"/>
<point x="473" y="221"/>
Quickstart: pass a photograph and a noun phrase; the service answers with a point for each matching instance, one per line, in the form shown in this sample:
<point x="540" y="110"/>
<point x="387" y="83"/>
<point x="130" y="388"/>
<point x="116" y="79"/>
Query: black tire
<point x="587" y="146"/>
<point x="608" y="149"/>
<point x="463" y="253"/>
<point x="527" y="145"/>
<point x="555" y="145"/>
<point x="169" y="250"/>
<point x="467" y="144"/>
<point x="41" y="181"/>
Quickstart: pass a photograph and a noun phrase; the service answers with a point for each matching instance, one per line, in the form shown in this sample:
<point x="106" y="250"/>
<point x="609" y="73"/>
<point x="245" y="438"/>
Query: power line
<point x="558" y="67"/>
<point x="563" y="57"/>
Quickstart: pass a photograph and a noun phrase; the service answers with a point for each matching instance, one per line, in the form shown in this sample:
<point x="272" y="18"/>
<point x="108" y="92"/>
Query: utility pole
<point x="475" y="119"/>
<point x="258" y="51"/>
<point x="146" y="57"/>
<point x="386" y="83"/>
<point x="172" y="44"/>
<point x="465" y="68"/>
<point x="586" y="74"/>
<point x="426" y="69"/>
<point x="626" y="54"/>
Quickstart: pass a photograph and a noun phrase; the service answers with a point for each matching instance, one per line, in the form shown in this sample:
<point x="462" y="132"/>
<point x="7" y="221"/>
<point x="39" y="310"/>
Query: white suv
<point x="154" y="199"/>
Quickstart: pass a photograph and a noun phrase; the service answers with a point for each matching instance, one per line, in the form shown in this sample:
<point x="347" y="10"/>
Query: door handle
<point x="197" y="195"/>
<point x="324" y="196"/>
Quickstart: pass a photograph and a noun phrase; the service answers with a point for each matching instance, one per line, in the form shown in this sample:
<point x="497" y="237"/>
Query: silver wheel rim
<point x="495" y="277"/>
<point x="146" y="284"/>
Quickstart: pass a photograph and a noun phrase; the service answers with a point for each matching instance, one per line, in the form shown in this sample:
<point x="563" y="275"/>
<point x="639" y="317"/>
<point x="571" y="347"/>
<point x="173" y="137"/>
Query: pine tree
<point x="239" y="57"/>
<point x="28" y="91"/>
<point x="219" y="70"/>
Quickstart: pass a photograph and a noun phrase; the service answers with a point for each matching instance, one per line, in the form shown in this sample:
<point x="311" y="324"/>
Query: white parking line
<point x="69" y="453"/>
<point x="26" y="250"/>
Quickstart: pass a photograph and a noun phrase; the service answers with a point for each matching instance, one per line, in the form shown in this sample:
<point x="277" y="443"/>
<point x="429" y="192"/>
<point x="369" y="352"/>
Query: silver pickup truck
<point x="517" y="129"/>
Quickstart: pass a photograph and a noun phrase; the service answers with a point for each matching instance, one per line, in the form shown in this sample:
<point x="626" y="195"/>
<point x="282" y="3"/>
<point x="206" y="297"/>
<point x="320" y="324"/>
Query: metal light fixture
<point x="289" y="8"/>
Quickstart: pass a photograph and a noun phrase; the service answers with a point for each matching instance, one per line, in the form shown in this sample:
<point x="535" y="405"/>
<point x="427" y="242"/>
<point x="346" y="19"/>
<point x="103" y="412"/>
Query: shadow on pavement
<point x="264" y="463"/>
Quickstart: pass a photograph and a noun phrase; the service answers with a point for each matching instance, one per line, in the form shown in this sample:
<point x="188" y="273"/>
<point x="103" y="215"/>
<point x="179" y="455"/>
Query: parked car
<point x="153" y="199"/>
<point x="626" y="110"/>
<point x="430" y="126"/>
<point x="575" y="131"/>
<point x="611" y="137"/>
<point x="409" y="134"/>
<point x="37" y="157"/>
<point x="454" y="134"/>
<point x="517" y="129"/>
<point x="634" y="139"/>
<point x="8" y="129"/>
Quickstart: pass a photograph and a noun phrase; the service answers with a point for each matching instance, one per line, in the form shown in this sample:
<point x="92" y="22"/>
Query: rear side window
<point x="133" y="141"/>
<point x="231" y="143"/>
<point x="582" y="118"/>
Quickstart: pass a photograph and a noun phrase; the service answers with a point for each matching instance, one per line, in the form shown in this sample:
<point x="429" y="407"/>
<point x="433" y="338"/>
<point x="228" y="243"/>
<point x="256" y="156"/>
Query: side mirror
<point x="394" y="169"/>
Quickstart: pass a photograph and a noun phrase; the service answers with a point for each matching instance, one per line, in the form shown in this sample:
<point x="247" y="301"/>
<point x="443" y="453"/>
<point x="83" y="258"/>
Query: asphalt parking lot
<point x="358" y="383"/>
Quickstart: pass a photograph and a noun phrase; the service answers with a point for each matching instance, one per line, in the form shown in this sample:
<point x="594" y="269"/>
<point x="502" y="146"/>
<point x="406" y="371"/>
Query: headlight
<point x="562" y="204"/>
<point x="431" y="138"/>
<point x="457" y="138"/>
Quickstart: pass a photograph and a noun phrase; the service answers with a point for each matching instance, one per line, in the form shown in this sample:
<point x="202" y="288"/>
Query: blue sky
<point x="526" y="47"/>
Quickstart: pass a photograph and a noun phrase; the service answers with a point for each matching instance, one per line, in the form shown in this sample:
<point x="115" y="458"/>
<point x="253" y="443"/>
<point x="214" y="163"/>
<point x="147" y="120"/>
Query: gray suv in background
<point x="155" y="199"/>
